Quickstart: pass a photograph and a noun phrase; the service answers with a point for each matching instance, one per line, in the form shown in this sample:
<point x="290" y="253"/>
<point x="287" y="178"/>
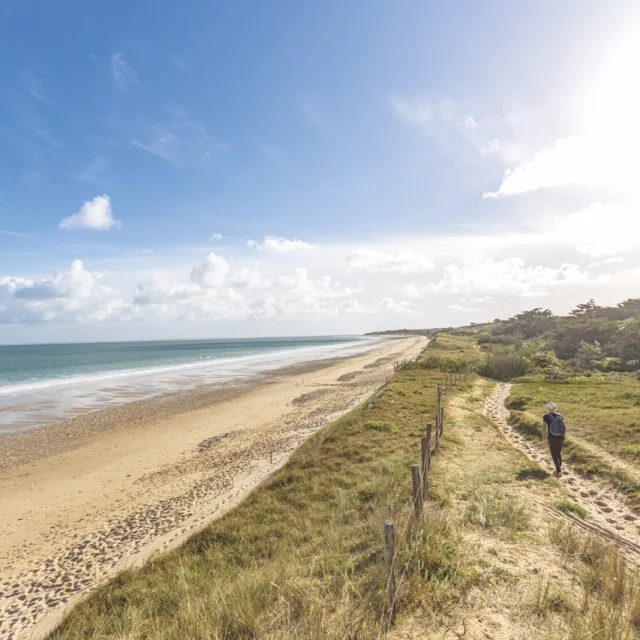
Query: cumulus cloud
<point x="246" y="277"/>
<point x="512" y="275"/>
<point x="77" y="295"/>
<point x="95" y="214"/>
<point x="216" y="236"/>
<point x="76" y="283"/>
<point x="211" y="273"/>
<point x="388" y="304"/>
<point x="272" y="244"/>
<point x="375" y="261"/>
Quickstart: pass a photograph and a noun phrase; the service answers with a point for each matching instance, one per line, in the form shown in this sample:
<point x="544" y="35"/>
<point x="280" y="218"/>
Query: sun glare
<point x="612" y="118"/>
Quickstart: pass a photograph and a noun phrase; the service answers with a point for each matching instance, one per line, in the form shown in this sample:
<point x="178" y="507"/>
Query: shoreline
<point x="149" y="473"/>
<point x="24" y="447"/>
<point x="37" y="404"/>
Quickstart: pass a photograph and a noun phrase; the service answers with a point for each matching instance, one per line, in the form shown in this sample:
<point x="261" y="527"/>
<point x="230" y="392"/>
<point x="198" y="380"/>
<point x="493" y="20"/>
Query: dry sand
<point x="82" y="500"/>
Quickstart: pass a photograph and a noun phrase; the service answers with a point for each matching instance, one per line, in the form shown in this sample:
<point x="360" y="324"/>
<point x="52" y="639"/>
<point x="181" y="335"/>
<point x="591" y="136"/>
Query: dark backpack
<point x="557" y="426"/>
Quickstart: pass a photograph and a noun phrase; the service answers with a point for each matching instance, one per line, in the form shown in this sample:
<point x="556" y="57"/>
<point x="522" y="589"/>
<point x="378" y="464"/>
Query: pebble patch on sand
<point x="200" y="485"/>
<point x="608" y="513"/>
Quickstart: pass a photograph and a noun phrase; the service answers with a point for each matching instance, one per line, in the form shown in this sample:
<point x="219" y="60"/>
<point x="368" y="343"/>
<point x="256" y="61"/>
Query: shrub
<point x="450" y="365"/>
<point x="518" y="402"/>
<point x="504" y="366"/>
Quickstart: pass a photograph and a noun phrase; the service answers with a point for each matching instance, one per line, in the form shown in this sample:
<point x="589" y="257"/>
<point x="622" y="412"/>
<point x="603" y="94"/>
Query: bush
<point x="504" y="366"/>
<point x="490" y="338"/>
<point x="518" y="402"/>
<point x="450" y="365"/>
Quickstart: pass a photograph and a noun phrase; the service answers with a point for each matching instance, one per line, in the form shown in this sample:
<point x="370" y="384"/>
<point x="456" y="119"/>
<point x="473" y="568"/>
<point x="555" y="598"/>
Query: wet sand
<point x="83" y="499"/>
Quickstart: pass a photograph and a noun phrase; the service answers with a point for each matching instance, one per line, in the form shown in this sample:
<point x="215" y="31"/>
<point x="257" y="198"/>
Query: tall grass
<point x="610" y="606"/>
<point x="302" y="556"/>
<point x="504" y="366"/>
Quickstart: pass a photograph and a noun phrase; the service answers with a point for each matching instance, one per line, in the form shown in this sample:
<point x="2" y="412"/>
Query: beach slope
<point x="81" y="501"/>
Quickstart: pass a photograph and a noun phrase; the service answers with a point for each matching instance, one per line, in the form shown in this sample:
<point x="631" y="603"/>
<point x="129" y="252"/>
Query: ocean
<point x="44" y="384"/>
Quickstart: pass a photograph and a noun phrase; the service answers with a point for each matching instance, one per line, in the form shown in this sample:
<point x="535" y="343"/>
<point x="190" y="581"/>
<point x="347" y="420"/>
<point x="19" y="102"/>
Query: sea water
<point x="44" y="384"/>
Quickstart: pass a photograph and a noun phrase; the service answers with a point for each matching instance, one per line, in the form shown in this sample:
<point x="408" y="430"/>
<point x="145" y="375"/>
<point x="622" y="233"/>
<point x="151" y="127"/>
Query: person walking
<point x="554" y="431"/>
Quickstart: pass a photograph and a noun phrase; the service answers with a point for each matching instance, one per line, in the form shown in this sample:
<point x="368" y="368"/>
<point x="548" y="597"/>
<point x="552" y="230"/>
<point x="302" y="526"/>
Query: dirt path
<point x="73" y="518"/>
<point x="608" y="514"/>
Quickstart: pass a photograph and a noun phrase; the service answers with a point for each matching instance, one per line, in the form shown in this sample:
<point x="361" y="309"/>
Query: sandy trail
<point x="608" y="514"/>
<point x="73" y="518"/>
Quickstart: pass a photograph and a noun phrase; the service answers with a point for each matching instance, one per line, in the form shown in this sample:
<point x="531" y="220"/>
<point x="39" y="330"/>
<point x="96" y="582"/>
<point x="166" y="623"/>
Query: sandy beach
<point x="84" y="499"/>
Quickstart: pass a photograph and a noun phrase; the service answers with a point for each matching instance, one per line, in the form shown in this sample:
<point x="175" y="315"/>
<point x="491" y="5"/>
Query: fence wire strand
<point x="419" y="528"/>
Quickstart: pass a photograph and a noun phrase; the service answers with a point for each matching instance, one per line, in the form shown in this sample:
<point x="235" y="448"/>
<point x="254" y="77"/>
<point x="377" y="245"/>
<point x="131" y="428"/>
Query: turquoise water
<point x="41" y="384"/>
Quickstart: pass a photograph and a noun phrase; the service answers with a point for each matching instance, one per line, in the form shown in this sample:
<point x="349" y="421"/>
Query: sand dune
<point x="84" y="499"/>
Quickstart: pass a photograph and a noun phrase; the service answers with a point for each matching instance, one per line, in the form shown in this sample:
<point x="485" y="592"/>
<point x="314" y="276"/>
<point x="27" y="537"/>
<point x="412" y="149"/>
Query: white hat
<point x="552" y="406"/>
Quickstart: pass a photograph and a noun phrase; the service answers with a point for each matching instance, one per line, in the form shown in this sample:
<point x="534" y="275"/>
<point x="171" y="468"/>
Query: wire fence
<point x="420" y="482"/>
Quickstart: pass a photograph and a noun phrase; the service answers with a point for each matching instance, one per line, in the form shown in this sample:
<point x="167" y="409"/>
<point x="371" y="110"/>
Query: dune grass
<point x="302" y="556"/>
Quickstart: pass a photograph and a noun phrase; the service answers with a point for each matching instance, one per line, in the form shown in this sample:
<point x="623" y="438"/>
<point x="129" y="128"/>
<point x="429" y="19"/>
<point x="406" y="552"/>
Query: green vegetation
<point x="379" y="426"/>
<point x="610" y="605"/>
<point x="566" y="506"/>
<point x="302" y="557"/>
<point x="603" y="424"/>
<point x="591" y="338"/>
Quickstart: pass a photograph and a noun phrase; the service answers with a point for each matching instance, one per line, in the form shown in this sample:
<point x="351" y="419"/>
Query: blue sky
<point x="362" y="164"/>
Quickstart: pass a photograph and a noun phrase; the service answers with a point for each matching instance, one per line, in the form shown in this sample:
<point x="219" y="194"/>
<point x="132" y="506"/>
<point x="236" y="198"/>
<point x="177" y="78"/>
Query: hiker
<point x="553" y="430"/>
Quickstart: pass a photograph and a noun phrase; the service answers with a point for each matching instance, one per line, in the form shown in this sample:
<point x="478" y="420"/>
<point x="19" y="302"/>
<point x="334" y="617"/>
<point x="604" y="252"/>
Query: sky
<point x="214" y="169"/>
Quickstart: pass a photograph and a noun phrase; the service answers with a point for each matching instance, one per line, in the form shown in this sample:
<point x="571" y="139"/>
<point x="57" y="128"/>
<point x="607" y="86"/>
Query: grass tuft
<point x="566" y="506"/>
<point x="489" y="508"/>
<point x="379" y="426"/>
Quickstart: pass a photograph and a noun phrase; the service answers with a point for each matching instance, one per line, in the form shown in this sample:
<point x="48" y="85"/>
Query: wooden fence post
<point x="417" y="490"/>
<point x="389" y="555"/>
<point x="429" y="430"/>
<point x="425" y="467"/>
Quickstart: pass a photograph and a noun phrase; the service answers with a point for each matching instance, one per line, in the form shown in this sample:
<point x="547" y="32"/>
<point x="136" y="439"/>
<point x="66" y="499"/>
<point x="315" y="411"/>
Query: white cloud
<point x="211" y="273"/>
<point x="123" y="75"/>
<point x="460" y="308"/>
<point x="76" y="283"/>
<point x="490" y="147"/>
<point x="216" y="236"/>
<point x="601" y="229"/>
<point x="376" y="261"/>
<point x="77" y="295"/>
<point x="413" y="292"/>
<point x="272" y="244"/>
<point x="395" y="306"/>
<point x="570" y="161"/>
<point x="602" y="151"/>
<point x="246" y="277"/>
<point x="94" y="214"/>
<point x="512" y="275"/>
<point x="470" y="122"/>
